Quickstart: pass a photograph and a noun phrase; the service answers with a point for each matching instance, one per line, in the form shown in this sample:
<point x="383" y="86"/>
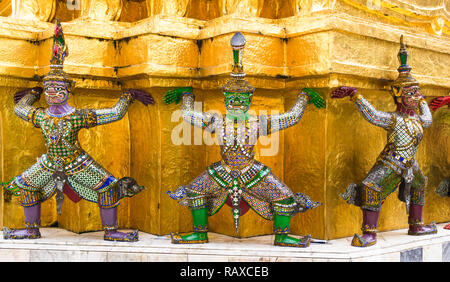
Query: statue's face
<point x="56" y="92"/>
<point x="410" y="97"/>
<point x="237" y="103"/>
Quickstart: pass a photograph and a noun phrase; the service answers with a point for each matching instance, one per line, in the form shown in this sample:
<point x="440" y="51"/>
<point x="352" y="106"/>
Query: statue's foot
<point x="447" y="227"/>
<point x="190" y="238"/>
<point x="366" y="240"/>
<point x="26" y="233"/>
<point x="288" y="241"/>
<point x="421" y="229"/>
<point x="115" y="235"/>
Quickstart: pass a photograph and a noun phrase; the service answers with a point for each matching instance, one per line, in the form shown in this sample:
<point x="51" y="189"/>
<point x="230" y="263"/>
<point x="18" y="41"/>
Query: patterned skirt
<point x="384" y="178"/>
<point x="259" y="188"/>
<point x="84" y="176"/>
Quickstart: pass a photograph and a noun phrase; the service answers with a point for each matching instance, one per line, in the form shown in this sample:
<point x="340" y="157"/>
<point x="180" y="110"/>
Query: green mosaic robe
<point x="64" y="153"/>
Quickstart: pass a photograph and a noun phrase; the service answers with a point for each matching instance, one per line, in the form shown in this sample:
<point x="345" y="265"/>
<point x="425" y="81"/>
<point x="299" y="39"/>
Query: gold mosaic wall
<point x="157" y="45"/>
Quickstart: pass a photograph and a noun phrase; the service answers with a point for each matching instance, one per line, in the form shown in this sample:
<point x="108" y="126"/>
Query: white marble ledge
<point x="60" y="245"/>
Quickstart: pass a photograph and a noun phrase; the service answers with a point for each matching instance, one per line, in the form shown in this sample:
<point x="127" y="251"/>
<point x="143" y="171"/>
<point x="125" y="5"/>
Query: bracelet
<point x="36" y="94"/>
<point x="356" y="98"/>
<point x="129" y="96"/>
<point x="33" y="116"/>
<point x="305" y="94"/>
<point x="186" y="93"/>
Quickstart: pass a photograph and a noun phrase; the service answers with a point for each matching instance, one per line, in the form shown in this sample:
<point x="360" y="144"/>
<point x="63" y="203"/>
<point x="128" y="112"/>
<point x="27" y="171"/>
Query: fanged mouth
<point x="53" y="95"/>
<point x="236" y="107"/>
<point x="55" y="98"/>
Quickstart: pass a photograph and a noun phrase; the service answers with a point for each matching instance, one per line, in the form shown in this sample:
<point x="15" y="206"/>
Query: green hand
<point x="176" y="94"/>
<point x="315" y="98"/>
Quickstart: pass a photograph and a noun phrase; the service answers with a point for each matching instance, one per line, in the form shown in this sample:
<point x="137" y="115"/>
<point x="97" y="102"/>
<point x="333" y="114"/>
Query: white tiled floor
<point x="61" y="245"/>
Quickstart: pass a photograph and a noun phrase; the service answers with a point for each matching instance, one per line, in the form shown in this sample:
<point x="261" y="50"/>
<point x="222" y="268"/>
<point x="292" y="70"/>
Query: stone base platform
<point x="63" y="246"/>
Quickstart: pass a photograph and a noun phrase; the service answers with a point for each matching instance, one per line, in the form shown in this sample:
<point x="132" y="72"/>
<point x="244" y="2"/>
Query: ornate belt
<point x="401" y="159"/>
<point x="61" y="161"/>
<point x="236" y="172"/>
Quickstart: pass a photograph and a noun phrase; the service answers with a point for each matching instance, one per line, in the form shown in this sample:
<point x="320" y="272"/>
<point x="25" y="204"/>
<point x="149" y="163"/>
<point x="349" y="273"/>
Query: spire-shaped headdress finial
<point x="403" y="57"/>
<point x="237" y="83"/>
<point x="404" y="78"/>
<point x="59" y="53"/>
<point x="237" y="44"/>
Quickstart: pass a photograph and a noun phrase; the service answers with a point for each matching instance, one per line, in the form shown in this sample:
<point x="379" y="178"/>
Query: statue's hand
<point x="343" y="91"/>
<point x="141" y="96"/>
<point x="438" y="102"/>
<point x="37" y="91"/>
<point x="315" y="98"/>
<point x="175" y="95"/>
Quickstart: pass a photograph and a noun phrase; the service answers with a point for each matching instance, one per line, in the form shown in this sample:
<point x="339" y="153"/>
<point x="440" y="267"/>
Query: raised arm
<point x="425" y="114"/>
<point x="118" y="111"/>
<point x="190" y="114"/>
<point x="274" y="123"/>
<point x="194" y="117"/>
<point x="24" y="105"/>
<point x="372" y="115"/>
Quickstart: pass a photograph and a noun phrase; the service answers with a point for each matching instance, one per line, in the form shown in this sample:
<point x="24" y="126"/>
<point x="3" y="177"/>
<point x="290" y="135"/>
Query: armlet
<point x="89" y="118"/>
<point x="356" y="98"/>
<point x="32" y="116"/>
<point x="392" y="123"/>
